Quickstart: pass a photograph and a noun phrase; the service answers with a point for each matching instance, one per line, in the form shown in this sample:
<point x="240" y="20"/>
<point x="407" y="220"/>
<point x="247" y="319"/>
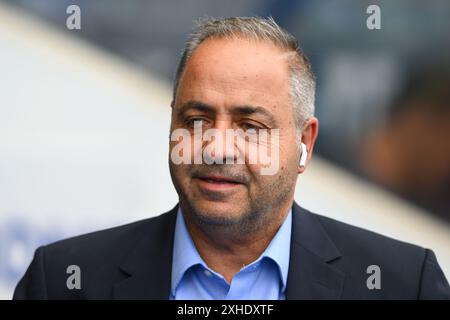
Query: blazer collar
<point x="311" y="274"/>
<point x="147" y="267"/>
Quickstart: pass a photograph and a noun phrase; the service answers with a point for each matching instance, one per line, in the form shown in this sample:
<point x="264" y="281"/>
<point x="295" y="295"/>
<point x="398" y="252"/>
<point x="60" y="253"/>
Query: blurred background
<point x="84" y="116"/>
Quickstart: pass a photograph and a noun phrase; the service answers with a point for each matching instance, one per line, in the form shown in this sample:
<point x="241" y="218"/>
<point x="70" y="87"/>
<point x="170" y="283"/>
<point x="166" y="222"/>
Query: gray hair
<point x="302" y="79"/>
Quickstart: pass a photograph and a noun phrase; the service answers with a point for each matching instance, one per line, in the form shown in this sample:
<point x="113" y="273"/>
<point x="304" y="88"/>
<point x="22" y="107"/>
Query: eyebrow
<point x="249" y="110"/>
<point x="195" y="105"/>
<point x="241" y="110"/>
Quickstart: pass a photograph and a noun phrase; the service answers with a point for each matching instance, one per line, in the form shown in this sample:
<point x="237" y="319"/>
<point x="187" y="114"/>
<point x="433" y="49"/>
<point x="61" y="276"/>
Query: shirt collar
<point x="185" y="254"/>
<point x="280" y="247"/>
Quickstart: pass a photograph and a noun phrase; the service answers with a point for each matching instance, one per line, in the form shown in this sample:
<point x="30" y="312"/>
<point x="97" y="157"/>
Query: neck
<point x="226" y="250"/>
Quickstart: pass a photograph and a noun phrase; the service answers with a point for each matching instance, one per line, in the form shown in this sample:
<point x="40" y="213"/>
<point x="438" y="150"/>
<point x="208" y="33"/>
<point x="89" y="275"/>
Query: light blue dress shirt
<point x="263" y="279"/>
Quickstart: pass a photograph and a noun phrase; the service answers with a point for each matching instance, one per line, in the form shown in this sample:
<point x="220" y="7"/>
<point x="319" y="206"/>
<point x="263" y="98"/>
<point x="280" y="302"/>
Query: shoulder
<point x="111" y="239"/>
<point x="97" y="255"/>
<point x="350" y="239"/>
<point x="101" y="252"/>
<point x="407" y="270"/>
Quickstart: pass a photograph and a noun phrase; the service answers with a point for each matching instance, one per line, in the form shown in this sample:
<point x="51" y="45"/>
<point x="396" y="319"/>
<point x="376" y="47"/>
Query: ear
<point x="309" y="136"/>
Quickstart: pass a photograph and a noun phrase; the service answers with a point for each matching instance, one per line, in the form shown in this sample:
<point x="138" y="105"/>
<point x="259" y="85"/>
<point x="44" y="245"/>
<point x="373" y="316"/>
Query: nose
<point x="220" y="145"/>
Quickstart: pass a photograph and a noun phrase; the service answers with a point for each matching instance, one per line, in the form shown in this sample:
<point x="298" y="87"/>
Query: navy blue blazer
<point x="328" y="260"/>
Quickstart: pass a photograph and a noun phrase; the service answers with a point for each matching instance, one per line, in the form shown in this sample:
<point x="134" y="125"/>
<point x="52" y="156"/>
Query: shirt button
<point x="207" y="273"/>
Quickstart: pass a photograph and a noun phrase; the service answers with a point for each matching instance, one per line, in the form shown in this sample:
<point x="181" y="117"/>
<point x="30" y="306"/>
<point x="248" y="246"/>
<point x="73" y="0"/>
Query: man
<point x="237" y="233"/>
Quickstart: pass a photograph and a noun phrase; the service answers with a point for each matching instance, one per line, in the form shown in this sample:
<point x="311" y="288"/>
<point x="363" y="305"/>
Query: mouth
<point x="217" y="182"/>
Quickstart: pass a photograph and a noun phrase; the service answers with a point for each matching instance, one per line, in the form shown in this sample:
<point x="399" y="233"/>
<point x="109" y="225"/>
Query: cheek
<point x="291" y="157"/>
<point x="289" y="147"/>
<point x="288" y="164"/>
<point x="180" y="173"/>
<point x="278" y="156"/>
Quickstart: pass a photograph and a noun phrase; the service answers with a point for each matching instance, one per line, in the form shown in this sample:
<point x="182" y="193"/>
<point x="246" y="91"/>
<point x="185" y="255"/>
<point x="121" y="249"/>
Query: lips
<point x="213" y="186"/>
<point x="218" y="179"/>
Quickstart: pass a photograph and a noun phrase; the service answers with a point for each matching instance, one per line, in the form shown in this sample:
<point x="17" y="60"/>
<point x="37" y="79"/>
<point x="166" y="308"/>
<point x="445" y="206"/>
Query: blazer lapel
<point x="148" y="266"/>
<point x="311" y="275"/>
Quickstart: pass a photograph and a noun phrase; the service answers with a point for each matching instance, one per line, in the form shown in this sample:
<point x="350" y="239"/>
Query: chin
<point x="217" y="213"/>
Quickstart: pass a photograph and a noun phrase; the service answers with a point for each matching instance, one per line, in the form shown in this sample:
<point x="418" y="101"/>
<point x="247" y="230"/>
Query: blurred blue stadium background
<point x="84" y="116"/>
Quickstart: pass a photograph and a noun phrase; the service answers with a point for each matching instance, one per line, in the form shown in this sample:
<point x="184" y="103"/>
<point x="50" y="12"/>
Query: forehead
<point x="236" y="71"/>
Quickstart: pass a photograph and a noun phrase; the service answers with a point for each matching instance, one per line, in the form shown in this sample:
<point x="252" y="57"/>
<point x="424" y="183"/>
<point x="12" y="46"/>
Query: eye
<point x="251" y="126"/>
<point x="193" y="121"/>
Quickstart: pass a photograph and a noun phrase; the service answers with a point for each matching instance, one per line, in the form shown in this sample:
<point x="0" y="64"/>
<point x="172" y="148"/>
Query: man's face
<point x="235" y="84"/>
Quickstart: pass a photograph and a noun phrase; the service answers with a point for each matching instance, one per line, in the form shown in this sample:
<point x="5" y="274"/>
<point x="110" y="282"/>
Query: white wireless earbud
<point x="304" y="155"/>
